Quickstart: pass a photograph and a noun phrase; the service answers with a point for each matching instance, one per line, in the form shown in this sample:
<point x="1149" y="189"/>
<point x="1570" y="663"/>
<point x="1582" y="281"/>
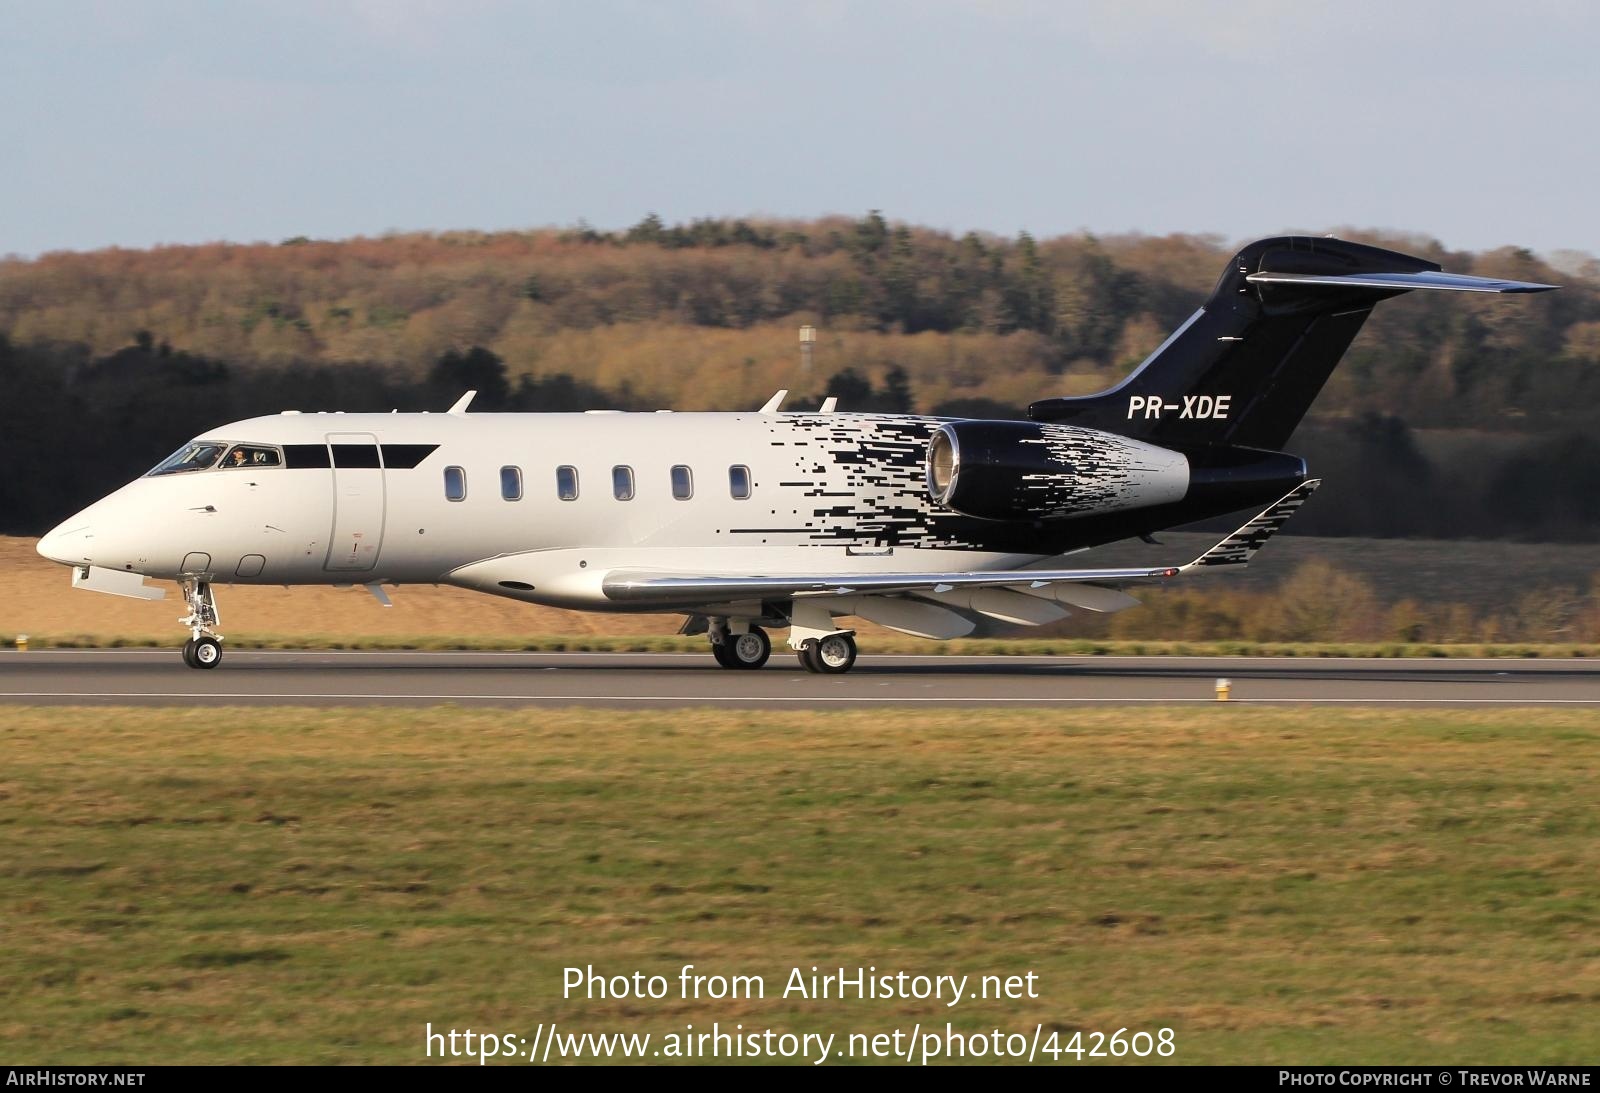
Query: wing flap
<point x="1003" y="605"/>
<point x="914" y="617"/>
<point x="633" y="585"/>
<point x="1090" y="597"/>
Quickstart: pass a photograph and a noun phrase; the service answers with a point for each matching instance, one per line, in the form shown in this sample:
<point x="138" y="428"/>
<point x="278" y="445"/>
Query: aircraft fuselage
<point x="449" y="498"/>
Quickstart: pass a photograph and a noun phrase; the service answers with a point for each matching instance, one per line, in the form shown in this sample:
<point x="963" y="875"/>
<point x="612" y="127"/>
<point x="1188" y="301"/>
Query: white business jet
<point x="746" y="522"/>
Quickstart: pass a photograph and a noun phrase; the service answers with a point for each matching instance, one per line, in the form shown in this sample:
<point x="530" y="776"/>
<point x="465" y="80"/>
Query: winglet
<point x="775" y="403"/>
<point x="1241" y="546"/>
<point x="461" y="403"/>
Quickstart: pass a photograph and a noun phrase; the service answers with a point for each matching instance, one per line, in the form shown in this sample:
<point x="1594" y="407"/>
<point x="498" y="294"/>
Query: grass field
<point x="1274" y="885"/>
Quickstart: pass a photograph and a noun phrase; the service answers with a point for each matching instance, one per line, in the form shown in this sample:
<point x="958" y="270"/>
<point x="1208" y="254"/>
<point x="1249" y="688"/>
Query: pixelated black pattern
<point x="1238" y="548"/>
<point x="864" y="480"/>
<point x="1090" y="475"/>
<point x="864" y="483"/>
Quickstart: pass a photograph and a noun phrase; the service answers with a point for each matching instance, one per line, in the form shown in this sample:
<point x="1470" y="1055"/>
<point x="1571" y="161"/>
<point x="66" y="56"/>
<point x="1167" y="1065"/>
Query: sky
<point x="133" y="124"/>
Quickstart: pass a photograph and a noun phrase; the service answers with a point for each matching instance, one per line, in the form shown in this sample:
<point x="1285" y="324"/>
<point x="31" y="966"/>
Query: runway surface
<point x="159" y="678"/>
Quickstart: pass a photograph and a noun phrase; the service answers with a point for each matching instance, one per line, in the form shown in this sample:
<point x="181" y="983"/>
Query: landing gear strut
<point x="204" y="647"/>
<point x="813" y="635"/>
<point x="747" y="650"/>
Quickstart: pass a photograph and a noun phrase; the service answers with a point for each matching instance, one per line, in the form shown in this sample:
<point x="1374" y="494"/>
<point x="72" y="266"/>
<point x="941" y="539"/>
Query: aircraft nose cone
<point x="67" y="545"/>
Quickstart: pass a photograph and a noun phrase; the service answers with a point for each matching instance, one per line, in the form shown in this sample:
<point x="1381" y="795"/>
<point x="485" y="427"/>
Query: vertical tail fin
<point x="1245" y="368"/>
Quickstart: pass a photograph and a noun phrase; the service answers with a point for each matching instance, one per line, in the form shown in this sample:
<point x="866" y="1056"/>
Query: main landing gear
<point x="204" y="647"/>
<point x="747" y="650"/>
<point x="820" y="648"/>
<point x="831" y="655"/>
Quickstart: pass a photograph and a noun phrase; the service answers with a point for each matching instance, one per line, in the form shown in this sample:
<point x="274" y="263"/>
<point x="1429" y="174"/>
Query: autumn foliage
<point x="144" y="348"/>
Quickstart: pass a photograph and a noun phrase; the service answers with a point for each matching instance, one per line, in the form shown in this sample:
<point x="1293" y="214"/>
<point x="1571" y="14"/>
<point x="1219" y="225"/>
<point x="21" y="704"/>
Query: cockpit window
<point x="199" y="455"/>
<point x="205" y="455"/>
<point x="251" y="456"/>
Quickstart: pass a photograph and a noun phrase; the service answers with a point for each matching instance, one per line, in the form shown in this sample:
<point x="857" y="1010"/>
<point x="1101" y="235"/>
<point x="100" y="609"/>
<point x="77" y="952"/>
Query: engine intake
<point x="1019" y="470"/>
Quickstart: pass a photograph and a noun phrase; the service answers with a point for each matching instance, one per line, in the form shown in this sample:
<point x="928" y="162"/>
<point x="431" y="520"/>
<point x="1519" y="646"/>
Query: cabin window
<point x="455" y="484"/>
<point x="567" y="483"/>
<point x="622" y="483"/>
<point x="739" y="482"/>
<point x="682" y="482"/>
<point x="511" y="483"/>
<point x="251" y="457"/>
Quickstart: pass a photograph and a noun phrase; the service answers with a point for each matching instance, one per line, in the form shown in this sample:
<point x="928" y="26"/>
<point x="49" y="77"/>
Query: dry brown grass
<point x="36" y="598"/>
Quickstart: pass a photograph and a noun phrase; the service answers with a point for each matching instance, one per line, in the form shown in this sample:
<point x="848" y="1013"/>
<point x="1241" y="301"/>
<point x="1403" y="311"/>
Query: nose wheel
<point x="203" y="652"/>
<point x="204" y="647"/>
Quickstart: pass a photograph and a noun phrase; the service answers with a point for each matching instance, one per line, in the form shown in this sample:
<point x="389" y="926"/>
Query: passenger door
<point x="358" y="502"/>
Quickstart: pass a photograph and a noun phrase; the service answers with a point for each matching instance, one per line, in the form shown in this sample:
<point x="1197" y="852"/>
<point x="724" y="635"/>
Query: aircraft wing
<point x="645" y="586"/>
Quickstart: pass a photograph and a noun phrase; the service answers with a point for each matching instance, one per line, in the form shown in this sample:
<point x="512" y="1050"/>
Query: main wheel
<point x="807" y="655"/>
<point x="834" y="654"/>
<point x="188" y="653"/>
<point x="207" y="653"/>
<point x="750" y="649"/>
<point x="724" y="654"/>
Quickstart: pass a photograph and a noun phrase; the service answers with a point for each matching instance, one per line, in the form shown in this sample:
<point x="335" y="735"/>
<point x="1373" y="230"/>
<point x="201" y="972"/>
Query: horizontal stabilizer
<point x="1444" y="282"/>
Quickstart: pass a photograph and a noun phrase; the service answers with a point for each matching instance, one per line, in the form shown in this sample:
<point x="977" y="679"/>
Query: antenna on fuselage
<point x="461" y="403"/>
<point x="829" y="405"/>
<point x="775" y="403"/>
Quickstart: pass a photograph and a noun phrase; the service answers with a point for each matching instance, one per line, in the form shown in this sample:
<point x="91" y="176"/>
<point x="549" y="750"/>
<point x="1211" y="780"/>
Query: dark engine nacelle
<point x="1024" y="470"/>
<point x="1020" y="470"/>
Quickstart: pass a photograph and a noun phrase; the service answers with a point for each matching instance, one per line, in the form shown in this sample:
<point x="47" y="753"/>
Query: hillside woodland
<point x="1449" y="418"/>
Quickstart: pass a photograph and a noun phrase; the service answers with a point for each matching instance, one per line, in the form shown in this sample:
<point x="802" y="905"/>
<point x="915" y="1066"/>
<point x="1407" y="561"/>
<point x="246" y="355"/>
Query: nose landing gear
<point x="204" y="647"/>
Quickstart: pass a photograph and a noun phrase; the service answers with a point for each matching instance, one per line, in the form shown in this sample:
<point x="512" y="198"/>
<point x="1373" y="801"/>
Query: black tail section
<point x="1244" y="369"/>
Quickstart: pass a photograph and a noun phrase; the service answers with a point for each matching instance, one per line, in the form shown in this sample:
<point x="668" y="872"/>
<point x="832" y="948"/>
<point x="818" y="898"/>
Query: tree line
<point x="74" y="426"/>
<point x="1447" y="418"/>
<point x="704" y="315"/>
